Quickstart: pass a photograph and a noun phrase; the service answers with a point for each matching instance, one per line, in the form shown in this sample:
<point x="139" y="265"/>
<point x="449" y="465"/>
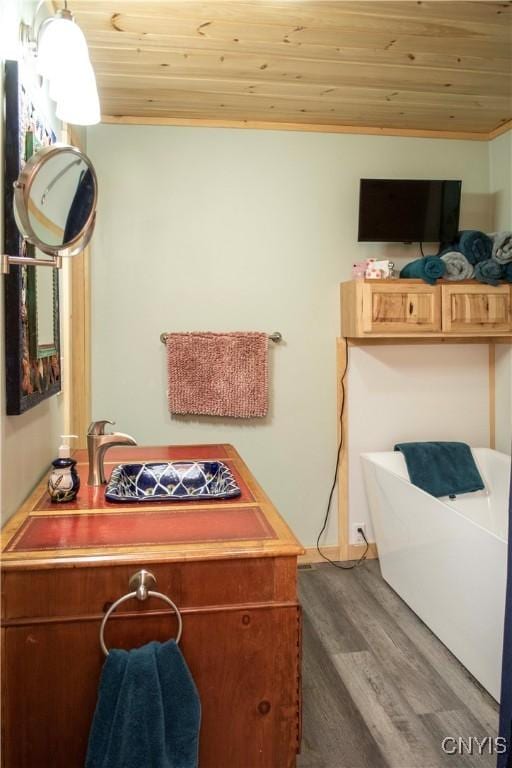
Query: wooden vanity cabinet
<point x="241" y="639"/>
<point x="413" y="309"/>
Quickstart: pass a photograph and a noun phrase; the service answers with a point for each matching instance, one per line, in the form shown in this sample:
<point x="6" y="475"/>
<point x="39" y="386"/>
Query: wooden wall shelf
<point x="411" y="311"/>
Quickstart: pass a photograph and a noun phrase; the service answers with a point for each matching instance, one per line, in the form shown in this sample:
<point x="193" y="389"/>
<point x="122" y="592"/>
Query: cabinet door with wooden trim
<point x="476" y="308"/>
<point x="245" y="662"/>
<point x="399" y="308"/>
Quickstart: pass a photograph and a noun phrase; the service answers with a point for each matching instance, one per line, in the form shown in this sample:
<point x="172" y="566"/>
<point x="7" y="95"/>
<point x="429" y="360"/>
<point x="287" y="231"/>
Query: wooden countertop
<point x="94" y="531"/>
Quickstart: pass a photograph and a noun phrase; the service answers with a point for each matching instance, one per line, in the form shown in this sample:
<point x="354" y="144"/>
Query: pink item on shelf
<point x="218" y="374"/>
<point x="380" y="268"/>
<point x="374" y="273"/>
<point x="359" y="269"/>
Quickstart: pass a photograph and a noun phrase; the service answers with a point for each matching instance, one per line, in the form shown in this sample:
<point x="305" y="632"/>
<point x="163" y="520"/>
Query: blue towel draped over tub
<point x="441" y="468"/>
<point x="148" y="711"/>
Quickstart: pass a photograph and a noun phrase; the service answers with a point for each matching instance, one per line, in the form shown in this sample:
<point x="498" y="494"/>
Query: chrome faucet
<point x="97" y="444"/>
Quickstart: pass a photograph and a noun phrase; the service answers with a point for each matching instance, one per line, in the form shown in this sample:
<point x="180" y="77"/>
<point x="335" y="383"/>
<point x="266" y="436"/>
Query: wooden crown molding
<point x="500" y="130"/>
<point x="306" y="127"/>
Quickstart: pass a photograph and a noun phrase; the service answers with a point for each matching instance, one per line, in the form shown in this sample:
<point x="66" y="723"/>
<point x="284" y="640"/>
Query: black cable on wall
<point x="341" y="566"/>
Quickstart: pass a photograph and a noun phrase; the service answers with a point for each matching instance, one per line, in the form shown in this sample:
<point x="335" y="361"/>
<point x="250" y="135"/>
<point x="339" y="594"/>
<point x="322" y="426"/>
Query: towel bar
<point x="141" y="580"/>
<point x="276" y="337"/>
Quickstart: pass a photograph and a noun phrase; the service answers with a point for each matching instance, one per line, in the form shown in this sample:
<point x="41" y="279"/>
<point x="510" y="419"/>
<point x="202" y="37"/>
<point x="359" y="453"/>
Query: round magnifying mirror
<point x="55" y="200"/>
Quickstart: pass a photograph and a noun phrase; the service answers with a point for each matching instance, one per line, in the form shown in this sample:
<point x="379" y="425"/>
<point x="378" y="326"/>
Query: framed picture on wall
<point x="32" y="338"/>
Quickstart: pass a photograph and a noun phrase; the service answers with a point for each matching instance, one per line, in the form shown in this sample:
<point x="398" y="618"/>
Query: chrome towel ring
<point x="141" y="580"/>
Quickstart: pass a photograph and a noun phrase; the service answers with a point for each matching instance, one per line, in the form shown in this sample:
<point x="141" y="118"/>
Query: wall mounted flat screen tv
<point x="408" y="211"/>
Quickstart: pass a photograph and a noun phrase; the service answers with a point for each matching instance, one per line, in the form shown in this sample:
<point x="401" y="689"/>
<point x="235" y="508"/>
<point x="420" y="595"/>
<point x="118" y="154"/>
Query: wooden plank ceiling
<point x="412" y="65"/>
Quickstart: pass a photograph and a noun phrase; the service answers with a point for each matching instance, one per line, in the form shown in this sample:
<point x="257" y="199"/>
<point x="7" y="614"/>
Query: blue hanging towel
<point x="441" y="469"/>
<point x="148" y="711"/>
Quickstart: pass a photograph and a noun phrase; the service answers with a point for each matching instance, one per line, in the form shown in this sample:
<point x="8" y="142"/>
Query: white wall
<point x="500" y="171"/>
<point x="402" y="393"/>
<point x="28" y="442"/>
<point x="217" y="229"/>
<point x="503" y="358"/>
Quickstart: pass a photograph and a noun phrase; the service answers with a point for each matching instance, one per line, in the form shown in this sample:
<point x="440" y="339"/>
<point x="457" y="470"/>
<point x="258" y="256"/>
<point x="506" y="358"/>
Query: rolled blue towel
<point x="502" y="247"/>
<point x="457" y="266"/>
<point x="441" y="468"/>
<point x="507" y="272"/>
<point x="476" y="246"/>
<point x="489" y="271"/>
<point x="429" y="269"/>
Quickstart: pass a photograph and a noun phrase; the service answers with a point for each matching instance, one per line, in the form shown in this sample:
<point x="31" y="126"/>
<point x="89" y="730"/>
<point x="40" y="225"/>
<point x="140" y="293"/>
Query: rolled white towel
<point x="502" y="247"/>
<point x="457" y="266"/>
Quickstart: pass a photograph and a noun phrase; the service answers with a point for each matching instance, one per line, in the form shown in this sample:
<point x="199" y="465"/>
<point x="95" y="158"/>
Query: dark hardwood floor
<point x="380" y="690"/>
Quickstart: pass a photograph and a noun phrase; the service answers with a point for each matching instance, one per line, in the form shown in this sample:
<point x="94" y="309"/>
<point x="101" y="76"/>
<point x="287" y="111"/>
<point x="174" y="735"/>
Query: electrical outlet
<point x="356" y="536"/>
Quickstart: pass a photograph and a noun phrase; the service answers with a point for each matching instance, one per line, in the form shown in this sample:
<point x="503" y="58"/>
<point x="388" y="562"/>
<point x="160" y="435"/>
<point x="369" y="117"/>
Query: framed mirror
<point x="50" y="209"/>
<point x="43" y="312"/>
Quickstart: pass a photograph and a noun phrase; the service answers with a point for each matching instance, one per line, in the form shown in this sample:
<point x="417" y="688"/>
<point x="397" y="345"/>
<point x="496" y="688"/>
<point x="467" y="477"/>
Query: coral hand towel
<point x="218" y="374"/>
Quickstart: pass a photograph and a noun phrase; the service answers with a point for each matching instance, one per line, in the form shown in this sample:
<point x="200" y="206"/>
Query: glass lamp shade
<point x="73" y="70"/>
<point x="60" y="41"/>
<point x="78" y="101"/>
<point x="63" y="60"/>
<point x="68" y="76"/>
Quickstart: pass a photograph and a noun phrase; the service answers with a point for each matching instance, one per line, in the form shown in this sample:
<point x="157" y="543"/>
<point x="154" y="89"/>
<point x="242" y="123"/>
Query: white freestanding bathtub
<point x="447" y="558"/>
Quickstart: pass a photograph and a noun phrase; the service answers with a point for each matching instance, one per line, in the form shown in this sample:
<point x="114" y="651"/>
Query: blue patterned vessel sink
<point x="171" y="481"/>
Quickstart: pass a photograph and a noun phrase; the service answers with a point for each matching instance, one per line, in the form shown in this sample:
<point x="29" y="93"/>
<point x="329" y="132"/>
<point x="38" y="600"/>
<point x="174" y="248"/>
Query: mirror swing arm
<point x="29" y="261"/>
<point x="24" y="207"/>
